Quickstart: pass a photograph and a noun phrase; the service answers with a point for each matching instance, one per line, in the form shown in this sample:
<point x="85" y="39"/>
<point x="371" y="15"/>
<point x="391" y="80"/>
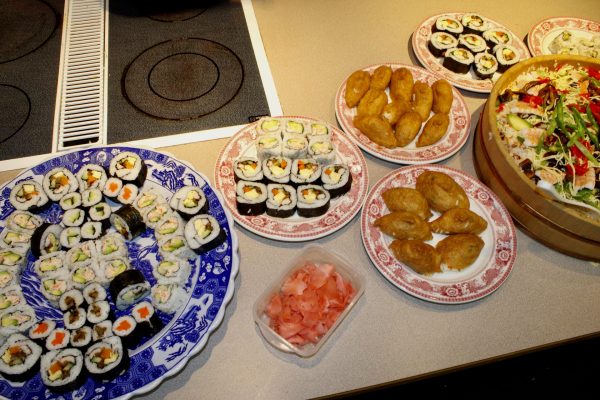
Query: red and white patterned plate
<point x="478" y="280"/>
<point x="468" y="81"/>
<point x="455" y="138"/>
<point x="294" y="228"/>
<point x="545" y="31"/>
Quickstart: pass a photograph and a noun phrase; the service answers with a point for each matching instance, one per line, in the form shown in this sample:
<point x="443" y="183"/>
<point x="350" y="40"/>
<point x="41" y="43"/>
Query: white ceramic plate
<point x="545" y="31"/>
<point x="453" y="140"/>
<point x="478" y="280"/>
<point x="468" y="81"/>
<point x="294" y="228"/>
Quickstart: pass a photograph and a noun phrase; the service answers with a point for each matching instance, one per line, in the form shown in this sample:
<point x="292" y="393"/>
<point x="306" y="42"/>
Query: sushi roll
<point x="91" y="176"/>
<point x="281" y="202"/>
<point x="49" y="264"/>
<point x="294" y="146"/>
<point x="203" y="233"/>
<point x="112" y="188"/>
<point x="74" y="318"/>
<point x="439" y="42"/>
<point x="19" y="358"/>
<point x="107" y="359"/>
<point x="337" y="179"/>
<point x="91" y="197"/>
<point x="62" y="370"/>
<point x="99" y="311"/>
<point x="53" y="286"/>
<point x="102" y="330"/>
<point x="58" y="339"/>
<point x="146" y="199"/>
<point x="293" y="126"/>
<point x="189" y="201"/>
<point x="82" y="254"/>
<point x="472" y="42"/>
<point x="74" y="217"/>
<point x="70" y="300"/>
<point x="172" y="270"/>
<point x="129" y="167"/>
<point x="17" y="319"/>
<point x="171" y="224"/>
<point x="58" y="182"/>
<point x="128" y="193"/>
<point x="127" y="288"/>
<point x="268" y="146"/>
<point x="14" y="239"/>
<point x="313" y="200"/>
<point x="13" y="258"/>
<point x="507" y="56"/>
<point x="81" y="338"/>
<point x="8" y="278"/>
<point x="111" y="246"/>
<point x="305" y="171"/>
<point x="485" y="65"/>
<point x="82" y="275"/>
<point x="91" y="230"/>
<point x="45" y="239"/>
<point x="40" y="331"/>
<point x="101" y="213"/>
<point x="23" y="221"/>
<point x="11" y="296"/>
<point x="146" y="318"/>
<point x="168" y="297"/>
<point x="458" y="60"/>
<point x="109" y="269"/>
<point x="247" y="169"/>
<point x="70" y="237"/>
<point x="269" y="126"/>
<point x="277" y="169"/>
<point x="128" y="221"/>
<point x="321" y="149"/>
<point x="155" y="214"/>
<point x="496" y="36"/>
<point x="175" y="246"/>
<point x="94" y="292"/>
<point x="317" y="129"/>
<point x="124" y="327"/>
<point x="28" y="196"/>
<point x="474" y="23"/>
<point x="449" y="24"/>
<point x="251" y="198"/>
<point x="70" y="201"/>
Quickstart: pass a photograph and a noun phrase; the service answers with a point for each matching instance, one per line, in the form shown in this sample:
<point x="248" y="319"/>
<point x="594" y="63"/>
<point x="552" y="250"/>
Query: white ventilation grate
<point x="81" y="102"/>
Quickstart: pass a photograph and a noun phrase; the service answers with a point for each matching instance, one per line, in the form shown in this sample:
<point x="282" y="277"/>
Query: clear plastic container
<point x="316" y="254"/>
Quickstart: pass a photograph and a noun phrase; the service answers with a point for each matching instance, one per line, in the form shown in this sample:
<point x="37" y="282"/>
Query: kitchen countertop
<point x="389" y="336"/>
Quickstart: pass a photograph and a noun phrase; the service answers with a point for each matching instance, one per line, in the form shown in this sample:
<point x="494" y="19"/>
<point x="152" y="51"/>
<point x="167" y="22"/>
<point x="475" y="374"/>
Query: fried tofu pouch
<point x="441" y="191"/>
<point x="356" y="86"/>
<point x="377" y="129"/>
<point x="394" y="110"/>
<point x="423" y="258"/>
<point x="460" y="250"/>
<point x="404" y="225"/>
<point x="407" y="199"/>
<point x="380" y="79"/>
<point x="435" y="128"/>
<point x="442" y="97"/>
<point x="401" y="84"/>
<point x="422" y="99"/>
<point x="372" y="103"/>
<point x="458" y="220"/>
<point x="407" y="128"/>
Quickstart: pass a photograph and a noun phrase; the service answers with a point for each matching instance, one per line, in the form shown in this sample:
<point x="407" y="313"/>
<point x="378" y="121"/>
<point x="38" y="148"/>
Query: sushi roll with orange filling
<point x="251" y="198"/>
<point x="281" y="200"/>
<point x="458" y="60"/>
<point x="313" y="200"/>
<point x="439" y="42"/>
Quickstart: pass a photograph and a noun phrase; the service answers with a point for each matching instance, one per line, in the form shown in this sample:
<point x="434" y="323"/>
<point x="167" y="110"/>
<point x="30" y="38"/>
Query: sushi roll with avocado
<point x="70" y="201"/>
<point x="317" y="129"/>
<point x="74" y="217"/>
<point x="107" y="359"/>
<point x="14" y="239"/>
<point x="11" y="296"/>
<point x="294" y="146"/>
<point x="321" y="149"/>
<point x="111" y="246"/>
<point x="449" y="24"/>
<point x="58" y="182"/>
<point x="251" y="198"/>
<point x="155" y="214"/>
<point x="248" y="169"/>
<point x="168" y="297"/>
<point x="281" y="201"/>
<point x="507" y="56"/>
<point x="101" y="213"/>
<point x="28" y="196"/>
<point x="172" y="270"/>
<point x="17" y="319"/>
<point x="91" y="176"/>
<point x="171" y="224"/>
<point x="189" y="201"/>
<point x="128" y="221"/>
<point x="128" y="288"/>
<point x="82" y="275"/>
<point x="269" y="126"/>
<point x="13" y="258"/>
<point x="82" y="254"/>
<point x="112" y="267"/>
<point x="439" y="42"/>
<point x="46" y="239"/>
<point x="19" y="358"/>
<point x="337" y="179"/>
<point x="147" y="199"/>
<point x="63" y="370"/>
<point x="51" y="264"/>
<point x="293" y="126"/>
<point x="52" y="286"/>
<point x="496" y="36"/>
<point x="474" y="23"/>
<point x="277" y="169"/>
<point x="129" y="167"/>
<point x="203" y="233"/>
<point x="175" y="246"/>
<point x="305" y="171"/>
<point x="23" y="221"/>
<point x="472" y="42"/>
<point x="485" y="65"/>
<point x="458" y="60"/>
<point x="268" y="146"/>
<point x="70" y="237"/>
<point x="313" y="200"/>
<point x="8" y="277"/>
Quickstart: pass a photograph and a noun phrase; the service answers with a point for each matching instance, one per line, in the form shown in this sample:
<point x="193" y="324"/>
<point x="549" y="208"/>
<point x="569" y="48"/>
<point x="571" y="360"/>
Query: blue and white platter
<point x="209" y="288"/>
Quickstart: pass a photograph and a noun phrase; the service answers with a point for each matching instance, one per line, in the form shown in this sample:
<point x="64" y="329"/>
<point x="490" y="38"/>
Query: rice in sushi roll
<point x="23" y="221"/>
<point x="176" y="246"/>
<point x="168" y="297"/>
<point x="74" y="318"/>
<point x="281" y="202"/>
<point x="337" y="179"/>
<point x="293" y="126"/>
<point x="111" y="246"/>
<point x="58" y="339"/>
<point x="128" y="193"/>
<point x="107" y="359"/>
<point x="70" y="300"/>
<point x="269" y="126"/>
<point x="70" y="201"/>
<point x="507" y="56"/>
<point x="474" y="23"/>
<point x="294" y="146"/>
<point x="129" y="167"/>
<point x="128" y="221"/>
<point x="19" y="358"/>
<point x="155" y="214"/>
<point x="305" y="171"/>
<point x="28" y="196"/>
<point x="62" y="370"/>
<point x="172" y="270"/>
<point x="58" y="182"/>
<point x="112" y="267"/>
<point x="91" y="176"/>
<point x="14" y="239"/>
<point x="321" y="149"/>
<point x="82" y="275"/>
<point x="82" y="254"/>
<point x="51" y="264"/>
<point x="100" y="213"/>
<point x="127" y="288"/>
<point x="447" y="23"/>
<point x="203" y="233"/>
<point x="171" y="224"/>
<point x="70" y="237"/>
<point x="485" y="65"/>
<point x="13" y="258"/>
<point x="146" y="318"/>
<point x="11" y="296"/>
<point x="40" y="331"/>
<point x="458" y="60"/>
<point x="317" y="129"/>
<point x="125" y="328"/>
<point x="472" y="42"/>
<point x="94" y="292"/>
<point x="91" y="197"/>
<point x="113" y="187"/>
<point x="8" y="278"/>
<point x="17" y="319"/>
<point x="439" y="42"/>
<point x="74" y="217"/>
<point x="53" y="286"/>
<point x="277" y="169"/>
<point x="102" y="330"/>
<point x="251" y="198"/>
<point x="81" y="338"/>
<point x="248" y="169"/>
<point x="268" y="146"/>
<point x="189" y="201"/>
<point x="99" y="311"/>
<point x="92" y="230"/>
<point x="313" y="200"/>
<point x="46" y="239"/>
<point x="147" y="199"/>
<point x="496" y="36"/>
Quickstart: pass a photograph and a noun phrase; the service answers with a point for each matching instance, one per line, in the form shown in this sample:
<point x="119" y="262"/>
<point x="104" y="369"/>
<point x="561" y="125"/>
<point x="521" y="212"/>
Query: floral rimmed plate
<point x="295" y="228"/>
<point x="544" y="32"/>
<point x="209" y="288"/>
<point x="478" y="280"/>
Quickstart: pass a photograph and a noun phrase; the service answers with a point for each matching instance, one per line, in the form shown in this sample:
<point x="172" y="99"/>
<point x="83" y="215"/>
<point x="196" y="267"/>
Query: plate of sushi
<point x="116" y="264"/>
<point x="438" y="234"/>
<point x="292" y="178"/>
<point x="565" y="35"/>
<point x="468" y="49"/>
<point x="402" y="113"/>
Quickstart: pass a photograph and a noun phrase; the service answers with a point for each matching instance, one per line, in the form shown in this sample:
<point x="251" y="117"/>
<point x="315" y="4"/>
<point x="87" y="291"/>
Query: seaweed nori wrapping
<point x="19" y="372"/>
<point x="126" y="282"/>
<point x="99" y="368"/>
<point x="45" y="239"/>
<point x="128" y="221"/>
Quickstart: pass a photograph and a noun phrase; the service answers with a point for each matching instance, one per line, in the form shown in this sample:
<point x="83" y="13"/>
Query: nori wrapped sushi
<point x="128" y="221"/>
<point x="507" y="56"/>
<point x="19" y="358"/>
<point x="70" y="201"/>
<point x="449" y="24"/>
<point x="29" y="196"/>
<point x="127" y="288"/>
<point x="189" y="201"/>
<point x="472" y="42"/>
<point x="91" y="176"/>
<point x="336" y="179"/>
<point x="107" y="358"/>
<point x="474" y="23"/>
<point x="148" y="321"/>
<point x="125" y="328"/>
<point x="281" y="201"/>
<point x="251" y="198"/>
<point x="485" y="65"/>
<point x="58" y="182"/>
<point x="277" y="169"/>
<point x="458" y="60"/>
<point x="129" y="167"/>
<point x="41" y="330"/>
<point x="247" y="169"/>
<point x="305" y="171"/>
<point x="62" y="370"/>
<point x="439" y="42"/>
<point x="45" y="239"/>
<point x="313" y="200"/>
<point x="203" y="233"/>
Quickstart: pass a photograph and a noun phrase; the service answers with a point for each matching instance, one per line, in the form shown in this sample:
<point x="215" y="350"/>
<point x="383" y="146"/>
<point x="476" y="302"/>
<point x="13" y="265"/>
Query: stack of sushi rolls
<point x="281" y="200"/>
<point x="188" y="201"/>
<point x="248" y="169"/>
<point x="19" y="358"/>
<point x="277" y="169"/>
<point x="28" y="196"/>
<point x="63" y="370"/>
<point x="203" y="233"/>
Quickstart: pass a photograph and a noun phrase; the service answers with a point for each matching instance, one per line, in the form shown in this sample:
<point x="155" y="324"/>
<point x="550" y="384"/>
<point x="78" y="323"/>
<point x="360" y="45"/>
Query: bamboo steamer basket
<point x="566" y="228"/>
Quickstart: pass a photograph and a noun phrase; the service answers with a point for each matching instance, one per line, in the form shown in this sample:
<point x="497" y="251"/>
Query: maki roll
<point x="268" y="146"/>
<point x="91" y="176"/>
<point x="111" y="246"/>
<point x="146" y="318"/>
<point x="472" y="42"/>
<point x="439" y="42"/>
<point x="17" y="319"/>
<point x="74" y="318"/>
<point x="19" y="358"/>
<point x="313" y="200"/>
<point x="40" y="331"/>
<point x="70" y="300"/>
<point x="14" y="239"/>
<point x="496" y="36"/>
<point x="58" y="182"/>
<point x="294" y="146"/>
<point x="321" y="149"/>
<point x="11" y="296"/>
<point x="485" y="65"/>
<point x="8" y="278"/>
<point x="70" y="201"/>
<point x="92" y="230"/>
<point x="99" y="311"/>
<point x="247" y="169"/>
<point x="171" y="224"/>
<point x="281" y="202"/>
<point x="474" y="23"/>
<point x="62" y="370"/>
<point x="58" y="339"/>
<point x="113" y="187"/>
<point x="109" y="269"/>
<point x="13" y="258"/>
<point x="168" y="297"/>
<point x="70" y="237"/>
<point x="175" y="246"/>
<point x="91" y="197"/>
<point x="125" y="328"/>
<point x="337" y="179"/>
<point x="101" y="213"/>
<point x="102" y="330"/>
<point x="81" y="338"/>
<point x="82" y="254"/>
<point x="45" y="239"/>
<point x="251" y="198"/>
<point x="94" y="292"/>
<point x="155" y="213"/>
<point x="129" y="167"/>
<point x="128" y="193"/>
<point x="28" y="196"/>
<point x="203" y="233"/>
<point x="305" y="171"/>
<point x="107" y="359"/>
<point x="268" y="126"/>
<point x="458" y="60"/>
<point x="189" y="201"/>
<point x="147" y="199"/>
<point x="82" y="275"/>
<point x="23" y="221"/>
<point x="73" y="217"/>
<point x="317" y="129"/>
<point x="53" y="286"/>
<point x="277" y="169"/>
<point x="293" y="126"/>
<point x="449" y="24"/>
<point x="507" y="56"/>
<point x="128" y="221"/>
<point x="51" y="264"/>
<point x="127" y="288"/>
<point x="172" y="270"/>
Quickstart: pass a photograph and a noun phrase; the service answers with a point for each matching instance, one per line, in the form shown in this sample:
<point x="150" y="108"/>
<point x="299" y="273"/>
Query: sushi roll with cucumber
<point x="269" y="126"/>
<point x="172" y="270"/>
<point x="28" y="196"/>
<point x="449" y="24"/>
<point x="281" y="202"/>
<point x="101" y="213"/>
<point x="472" y="42"/>
<point x="129" y="167"/>
<point x="11" y="296"/>
<point x="128" y="193"/>
<point x="128" y="221"/>
<point x="91" y="197"/>
<point x="168" y="297"/>
<point x="337" y="179"/>
<point x="128" y="288"/>
<point x="19" y="358"/>
<point x="58" y="182"/>
<point x="171" y="224"/>
<point x="13" y="258"/>
<point x="124" y="327"/>
<point x="52" y="286"/>
<point x="107" y="359"/>
<point x="82" y="254"/>
<point x="203" y="233"/>
<point x="293" y="126"/>
<point x="277" y="169"/>
<point x="70" y="201"/>
<point x="112" y="188"/>
<point x="294" y="146"/>
<point x="175" y="246"/>
<point x="458" y="60"/>
<point x="474" y="23"/>
<point x="268" y="146"/>
<point x="23" y="221"/>
<point x="17" y="319"/>
<point x="46" y="239"/>
<point x="313" y="200"/>
<point x="317" y="129"/>
<point x="189" y="201"/>
<point x="15" y="239"/>
<point x="439" y="42"/>
<point x="251" y="198"/>
<point x="507" y="56"/>
<point x="49" y="264"/>
<point x="321" y="149"/>
<point x="147" y="319"/>
<point x="70" y="237"/>
<point x="40" y="331"/>
<point x="74" y="217"/>
<point x="91" y="176"/>
<point x="485" y="65"/>
<point x="305" y="171"/>
<point x="63" y="370"/>
<point x="91" y="230"/>
<point x="248" y="169"/>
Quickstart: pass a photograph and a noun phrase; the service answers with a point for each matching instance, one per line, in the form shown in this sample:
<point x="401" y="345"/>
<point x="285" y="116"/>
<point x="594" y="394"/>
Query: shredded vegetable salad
<point x="549" y="120"/>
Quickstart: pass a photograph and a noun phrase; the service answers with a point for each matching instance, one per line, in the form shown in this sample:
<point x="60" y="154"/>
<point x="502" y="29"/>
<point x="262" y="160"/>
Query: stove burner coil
<point x="15" y="108"/>
<point x="183" y="79"/>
